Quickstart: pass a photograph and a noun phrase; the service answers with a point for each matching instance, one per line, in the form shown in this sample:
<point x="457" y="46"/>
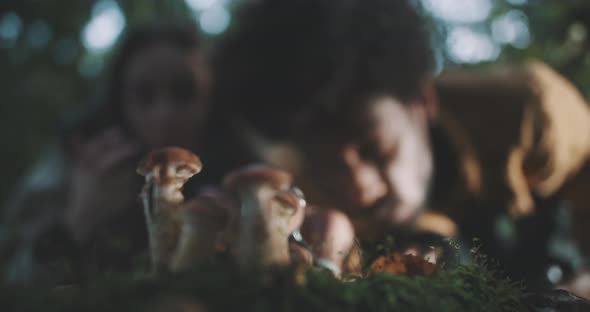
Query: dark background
<point x="52" y="53"/>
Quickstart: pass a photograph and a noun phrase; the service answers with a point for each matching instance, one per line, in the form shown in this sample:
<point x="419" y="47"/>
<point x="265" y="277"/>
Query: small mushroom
<point x="268" y="214"/>
<point x="169" y="168"/>
<point x="205" y="221"/>
<point x="166" y="171"/>
<point x="332" y="238"/>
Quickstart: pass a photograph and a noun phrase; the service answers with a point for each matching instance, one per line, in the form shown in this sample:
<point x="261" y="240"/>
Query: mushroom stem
<point x="163" y="224"/>
<point x="197" y="244"/>
<point x="165" y="171"/>
<point x="263" y="236"/>
<point x="270" y="209"/>
<point x="193" y="249"/>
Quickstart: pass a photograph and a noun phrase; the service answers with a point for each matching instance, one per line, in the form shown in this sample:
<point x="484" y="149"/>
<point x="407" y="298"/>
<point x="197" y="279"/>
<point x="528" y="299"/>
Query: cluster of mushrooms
<point x="251" y="217"/>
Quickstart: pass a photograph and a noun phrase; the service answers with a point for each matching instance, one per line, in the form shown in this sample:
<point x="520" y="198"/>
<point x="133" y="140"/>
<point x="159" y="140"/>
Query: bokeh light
<point x="10" y="28"/>
<point x="554" y="274"/>
<point x="577" y="32"/>
<point x="459" y="11"/>
<point x="518" y="2"/>
<point x="199" y="5"/>
<point x="104" y="28"/>
<point x="512" y="28"/>
<point x="39" y="34"/>
<point x="465" y="45"/>
<point x="214" y="20"/>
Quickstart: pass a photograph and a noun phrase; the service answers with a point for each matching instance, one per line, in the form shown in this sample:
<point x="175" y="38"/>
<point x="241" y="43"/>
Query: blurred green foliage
<point x="39" y="81"/>
<point x="560" y="31"/>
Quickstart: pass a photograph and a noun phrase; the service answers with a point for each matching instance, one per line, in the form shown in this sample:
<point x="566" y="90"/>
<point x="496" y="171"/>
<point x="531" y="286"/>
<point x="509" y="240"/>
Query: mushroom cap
<point x="171" y="156"/>
<point x="258" y="174"/>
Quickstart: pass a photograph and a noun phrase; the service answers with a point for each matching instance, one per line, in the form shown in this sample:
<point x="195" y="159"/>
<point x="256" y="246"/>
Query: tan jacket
<point x="520" y="131"/>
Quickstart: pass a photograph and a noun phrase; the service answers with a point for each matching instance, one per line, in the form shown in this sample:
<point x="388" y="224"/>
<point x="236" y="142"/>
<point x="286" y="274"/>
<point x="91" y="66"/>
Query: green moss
<point x="473" y="287"/>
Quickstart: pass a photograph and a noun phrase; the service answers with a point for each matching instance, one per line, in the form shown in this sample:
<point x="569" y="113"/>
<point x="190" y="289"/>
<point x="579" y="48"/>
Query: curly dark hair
<point x="282" y="57"/>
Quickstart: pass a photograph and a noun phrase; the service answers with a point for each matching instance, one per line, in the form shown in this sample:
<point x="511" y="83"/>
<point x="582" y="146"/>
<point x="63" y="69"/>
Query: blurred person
<point x="158" y="96"/>
<point x="522" y="141"/>
<point x="85" y="217"/>
<point x="342" y="95"/>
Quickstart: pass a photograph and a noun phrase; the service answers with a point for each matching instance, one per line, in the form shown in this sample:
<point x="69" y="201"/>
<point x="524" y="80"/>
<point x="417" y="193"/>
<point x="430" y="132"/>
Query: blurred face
<point x="165" y="95"/>
<point x="379" y="168"/>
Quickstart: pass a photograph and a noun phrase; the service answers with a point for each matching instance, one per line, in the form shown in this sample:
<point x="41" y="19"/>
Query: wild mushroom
<point x="268" y="204"/>
<point x="166" y="171"/>
<point x="331" y="236"/>
<point x="204" y="222"/>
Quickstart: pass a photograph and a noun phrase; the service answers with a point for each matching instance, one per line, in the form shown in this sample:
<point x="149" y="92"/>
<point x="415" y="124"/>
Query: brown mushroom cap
<point x="258" y="174"/>
<point x="165" y="157"/>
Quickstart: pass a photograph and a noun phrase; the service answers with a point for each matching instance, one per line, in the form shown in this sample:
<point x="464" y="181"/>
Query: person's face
<point x="381" y="168"/>
<point x="165" y="95"/>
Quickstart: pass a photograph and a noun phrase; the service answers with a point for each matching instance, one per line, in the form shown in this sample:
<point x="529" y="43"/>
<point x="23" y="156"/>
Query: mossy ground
<point x="471" y="287"/>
